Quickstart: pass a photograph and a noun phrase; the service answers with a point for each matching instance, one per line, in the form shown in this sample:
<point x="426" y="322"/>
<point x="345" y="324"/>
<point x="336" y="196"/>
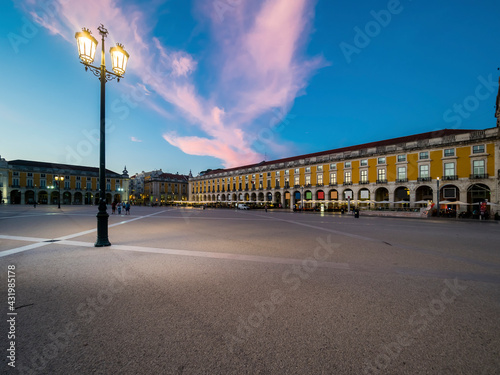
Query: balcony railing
<point x="333" y="184"/>
<point x="347" y="183"/>
<point x="450" y="178"/>
<point x="401" y="180"/>
<point x="366" y="182"/>
<point x="478" y="176"/>
<point x="319" y="185"/>
<point x="424" y="179"/>
<point x="296" y="186"/>
<point x="382" y="181"/>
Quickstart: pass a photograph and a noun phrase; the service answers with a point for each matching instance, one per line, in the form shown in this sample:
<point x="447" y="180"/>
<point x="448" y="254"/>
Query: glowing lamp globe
<point x="86" y="46"/>
<point x="119" y="58"/>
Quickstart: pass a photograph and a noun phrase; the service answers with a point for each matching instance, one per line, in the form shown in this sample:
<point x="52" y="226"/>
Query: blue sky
<point x="222" y="83"/>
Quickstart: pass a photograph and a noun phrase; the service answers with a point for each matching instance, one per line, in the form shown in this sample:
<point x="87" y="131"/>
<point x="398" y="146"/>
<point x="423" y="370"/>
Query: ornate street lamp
<point x="86" y="50"/>
<point x="59" y="180"/>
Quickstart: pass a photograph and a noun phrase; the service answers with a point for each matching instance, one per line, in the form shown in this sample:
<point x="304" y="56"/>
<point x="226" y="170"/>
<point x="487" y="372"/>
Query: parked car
<point x="242" y="206"/>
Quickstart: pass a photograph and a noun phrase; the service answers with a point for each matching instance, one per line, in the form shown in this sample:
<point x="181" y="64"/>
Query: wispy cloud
<point x="262" y="66"/>
<point x="134" y="139"/>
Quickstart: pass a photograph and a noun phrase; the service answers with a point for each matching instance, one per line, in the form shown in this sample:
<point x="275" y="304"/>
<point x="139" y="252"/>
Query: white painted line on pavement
<point x="189" y="253"/>
<point x="23" y="248"/>
<point x="109" y="226"/>
<point x="41" y="241"/>
<point x="20" y="238"/>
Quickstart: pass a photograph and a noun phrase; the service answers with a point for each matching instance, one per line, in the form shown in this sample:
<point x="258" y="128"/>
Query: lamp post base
<point x="102" y="230"/>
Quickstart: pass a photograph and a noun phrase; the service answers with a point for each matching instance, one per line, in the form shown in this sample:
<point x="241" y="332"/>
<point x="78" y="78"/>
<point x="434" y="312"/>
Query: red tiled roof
<point x="173" y="176"/>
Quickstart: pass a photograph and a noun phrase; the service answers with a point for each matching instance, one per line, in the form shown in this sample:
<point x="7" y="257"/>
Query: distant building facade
<point x="400" y="171"/>
<point x="27" y="182"/>
<point x="158" y="187"/>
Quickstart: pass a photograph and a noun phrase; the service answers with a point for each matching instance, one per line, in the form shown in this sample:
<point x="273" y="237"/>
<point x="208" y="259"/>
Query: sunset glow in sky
<point x="222" y="83"/>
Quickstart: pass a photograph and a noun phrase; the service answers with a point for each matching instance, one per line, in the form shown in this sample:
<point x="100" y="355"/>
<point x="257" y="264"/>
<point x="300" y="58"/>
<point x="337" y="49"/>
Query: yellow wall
<point x="436" y="163"/>
<point x="490" y="149"/>
<point x="391" y="170"/>
<point x="372" y="170"/>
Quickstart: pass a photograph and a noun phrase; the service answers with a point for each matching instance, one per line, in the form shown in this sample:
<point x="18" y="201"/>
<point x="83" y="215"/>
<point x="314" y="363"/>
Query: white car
<point x="242" y="206"/>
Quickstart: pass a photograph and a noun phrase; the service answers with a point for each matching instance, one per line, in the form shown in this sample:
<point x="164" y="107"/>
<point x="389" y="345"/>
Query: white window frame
<point x="420" y="170"/>
<point x="478" y="152"/>
<point x="421" y="153"/>
<point x="401" y="171"/>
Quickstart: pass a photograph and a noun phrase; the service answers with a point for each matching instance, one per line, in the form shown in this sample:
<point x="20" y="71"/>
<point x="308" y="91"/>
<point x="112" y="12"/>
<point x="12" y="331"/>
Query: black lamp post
<point x="59" y="180"/>
<point x="438" y="197"/>
<point x="86" y="49"/>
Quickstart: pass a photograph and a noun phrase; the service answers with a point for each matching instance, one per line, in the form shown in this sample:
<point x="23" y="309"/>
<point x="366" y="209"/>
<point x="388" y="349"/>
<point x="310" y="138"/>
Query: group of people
<point x="119" y="206"/>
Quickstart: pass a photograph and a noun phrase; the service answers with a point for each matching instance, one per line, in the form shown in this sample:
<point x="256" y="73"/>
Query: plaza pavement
<point x="218" y="291"/>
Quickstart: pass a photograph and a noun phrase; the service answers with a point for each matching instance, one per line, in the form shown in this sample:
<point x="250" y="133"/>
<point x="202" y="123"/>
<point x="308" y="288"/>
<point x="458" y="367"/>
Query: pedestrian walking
<point x="127" y="208"/>
<point x="113" y="207"/>
<point x="119" y="207"/>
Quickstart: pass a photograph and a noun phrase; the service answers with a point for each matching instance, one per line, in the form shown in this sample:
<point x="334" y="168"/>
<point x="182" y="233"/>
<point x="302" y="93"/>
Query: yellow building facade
<point x="27" y="182"/>
<point x="394" y="173"/>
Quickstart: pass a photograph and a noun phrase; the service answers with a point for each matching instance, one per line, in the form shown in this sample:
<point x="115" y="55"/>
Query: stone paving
<point x="218" y="291"/>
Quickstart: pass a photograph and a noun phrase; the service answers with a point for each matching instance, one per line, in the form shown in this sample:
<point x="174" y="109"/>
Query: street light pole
<point x="102" y="215"/>
<point x="59" y="179"/>
<point x="302" y="196"/>
<point x="119" y="57"/>
<point x="438" y="197"/>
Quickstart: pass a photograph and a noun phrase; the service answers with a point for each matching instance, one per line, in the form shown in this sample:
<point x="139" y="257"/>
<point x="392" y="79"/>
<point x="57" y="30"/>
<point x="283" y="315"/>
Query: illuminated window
<point x="333" y="178"/>
<point x="347" y="177"/>
<point x="381" y="175"/>
<point x="320" y="179"/>
<point x="363" y="176"/>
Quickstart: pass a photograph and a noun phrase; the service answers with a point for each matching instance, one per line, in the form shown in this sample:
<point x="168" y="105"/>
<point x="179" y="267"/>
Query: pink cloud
<point x="262" y="70"/>
<point x="258" y="48"/>
<point x="232" y="156"/>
